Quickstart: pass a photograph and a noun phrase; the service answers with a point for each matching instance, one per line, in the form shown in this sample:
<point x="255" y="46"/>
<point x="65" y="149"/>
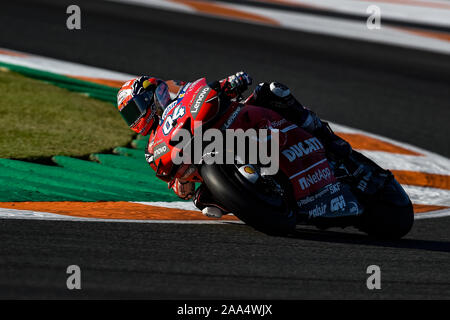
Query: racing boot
<point x="278" y="97"/>
<point x="212" y="212"/>
<point x="335" y="146"/>
<point x="204" y="201"/>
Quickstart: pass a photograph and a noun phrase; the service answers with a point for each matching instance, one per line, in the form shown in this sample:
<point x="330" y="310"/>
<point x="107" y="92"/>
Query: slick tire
<point x="390" y="215"/>
<point x="271" y="215"/>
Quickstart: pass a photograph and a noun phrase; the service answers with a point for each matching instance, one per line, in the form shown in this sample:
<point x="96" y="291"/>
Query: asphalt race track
<point x="398" y="93"/>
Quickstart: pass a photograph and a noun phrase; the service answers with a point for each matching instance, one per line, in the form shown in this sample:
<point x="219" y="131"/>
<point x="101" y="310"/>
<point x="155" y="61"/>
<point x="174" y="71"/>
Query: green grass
<point x="39" y="120"/>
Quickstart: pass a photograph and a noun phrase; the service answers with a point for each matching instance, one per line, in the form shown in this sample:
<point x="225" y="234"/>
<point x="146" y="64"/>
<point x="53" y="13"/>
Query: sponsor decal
<point x="160" y="150"/>
<point x="325" y="204"/>
<point x="337" y="204"/>
<point x="122" y="95"/>
<point x="309" y="199"/>
<point x="305" y="201"/>
<point x="249" y="169"/>
<point x="170" y="120"/>
<point x="183" y="92"/>
<point x="231" y="119"/>
<point x="319" y="209"/>
<point x="336" y="187"/>
<point x="362" y="185"/>
<point x="249" y="173"/>
<point x="199" y="100"/>
<point x="330" y="189"/>
<point x="193" y="85"/>
<point x="276" y="124"/>
<point x="188" y="172"/>
<point x="149" y="157"/>
<point x="316" y="177"/>
<point x="151" y="143"/>
<point x="324" y="190"/>
<point x="137" y="85"/>
<point x="302" y="148"/>
<point x="354" y="208"/>
<point x="168" y="109"/>
<point x="364" y="182"/>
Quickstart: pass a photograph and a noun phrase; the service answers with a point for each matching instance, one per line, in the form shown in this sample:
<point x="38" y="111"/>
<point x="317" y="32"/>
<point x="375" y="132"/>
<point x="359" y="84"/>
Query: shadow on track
<point x="309" y="234"/>
<point x="361" y="239"/>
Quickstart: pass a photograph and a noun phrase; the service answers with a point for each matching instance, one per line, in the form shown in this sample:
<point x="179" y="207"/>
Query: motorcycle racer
<point x="142" y="101"/>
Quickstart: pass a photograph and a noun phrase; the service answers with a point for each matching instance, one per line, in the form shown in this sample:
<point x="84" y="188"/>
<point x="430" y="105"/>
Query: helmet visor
<point x="162" y="96"/>
<point x="137" y="108"/>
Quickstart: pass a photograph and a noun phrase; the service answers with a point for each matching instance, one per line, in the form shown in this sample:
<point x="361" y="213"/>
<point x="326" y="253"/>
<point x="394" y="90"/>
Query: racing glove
<point x="184" y="189"/>
<point x="239" y="82"/>
<point x="234" y="85"/>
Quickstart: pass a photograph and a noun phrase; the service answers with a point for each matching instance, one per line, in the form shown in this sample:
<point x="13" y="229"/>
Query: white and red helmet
<point x="141" y="101"/>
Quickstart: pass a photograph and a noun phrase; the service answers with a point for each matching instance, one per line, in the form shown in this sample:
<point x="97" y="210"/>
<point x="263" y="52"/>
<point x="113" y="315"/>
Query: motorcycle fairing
<point x="188" y="105"/>
<point x="332" y="201"/>
<point x="301" y="156"/>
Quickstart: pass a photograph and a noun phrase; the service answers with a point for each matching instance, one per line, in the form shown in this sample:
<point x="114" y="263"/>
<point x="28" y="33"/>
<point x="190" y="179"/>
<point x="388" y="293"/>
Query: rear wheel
<point x="389" y="215"/>
<point x="264" y="205"/>
<point x="388" y="210"/>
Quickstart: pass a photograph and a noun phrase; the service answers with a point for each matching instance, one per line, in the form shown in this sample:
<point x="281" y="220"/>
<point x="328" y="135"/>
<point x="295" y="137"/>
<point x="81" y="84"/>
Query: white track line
<point x="345" y="129"/>
<point x="184" y="205"/>
<point x="349" y="29"/>
<point x="409" y="12"/>
<point x="428" y="196"/>
<point x="35" y="215"/>
<point x="61" y="67"/>
<point x="434" y="214"/>
<point x="394" y="161"/>
<point x="15" y="214"/>
<point x="430" y="162"/>
<point x="329" y="25"/>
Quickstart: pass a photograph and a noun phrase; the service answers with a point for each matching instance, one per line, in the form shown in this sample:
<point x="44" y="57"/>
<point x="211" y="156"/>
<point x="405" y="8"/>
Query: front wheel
<point x="257" y="204"/>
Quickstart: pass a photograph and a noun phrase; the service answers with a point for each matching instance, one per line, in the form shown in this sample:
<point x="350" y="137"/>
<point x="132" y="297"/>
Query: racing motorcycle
<point x="311" y="187"/>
